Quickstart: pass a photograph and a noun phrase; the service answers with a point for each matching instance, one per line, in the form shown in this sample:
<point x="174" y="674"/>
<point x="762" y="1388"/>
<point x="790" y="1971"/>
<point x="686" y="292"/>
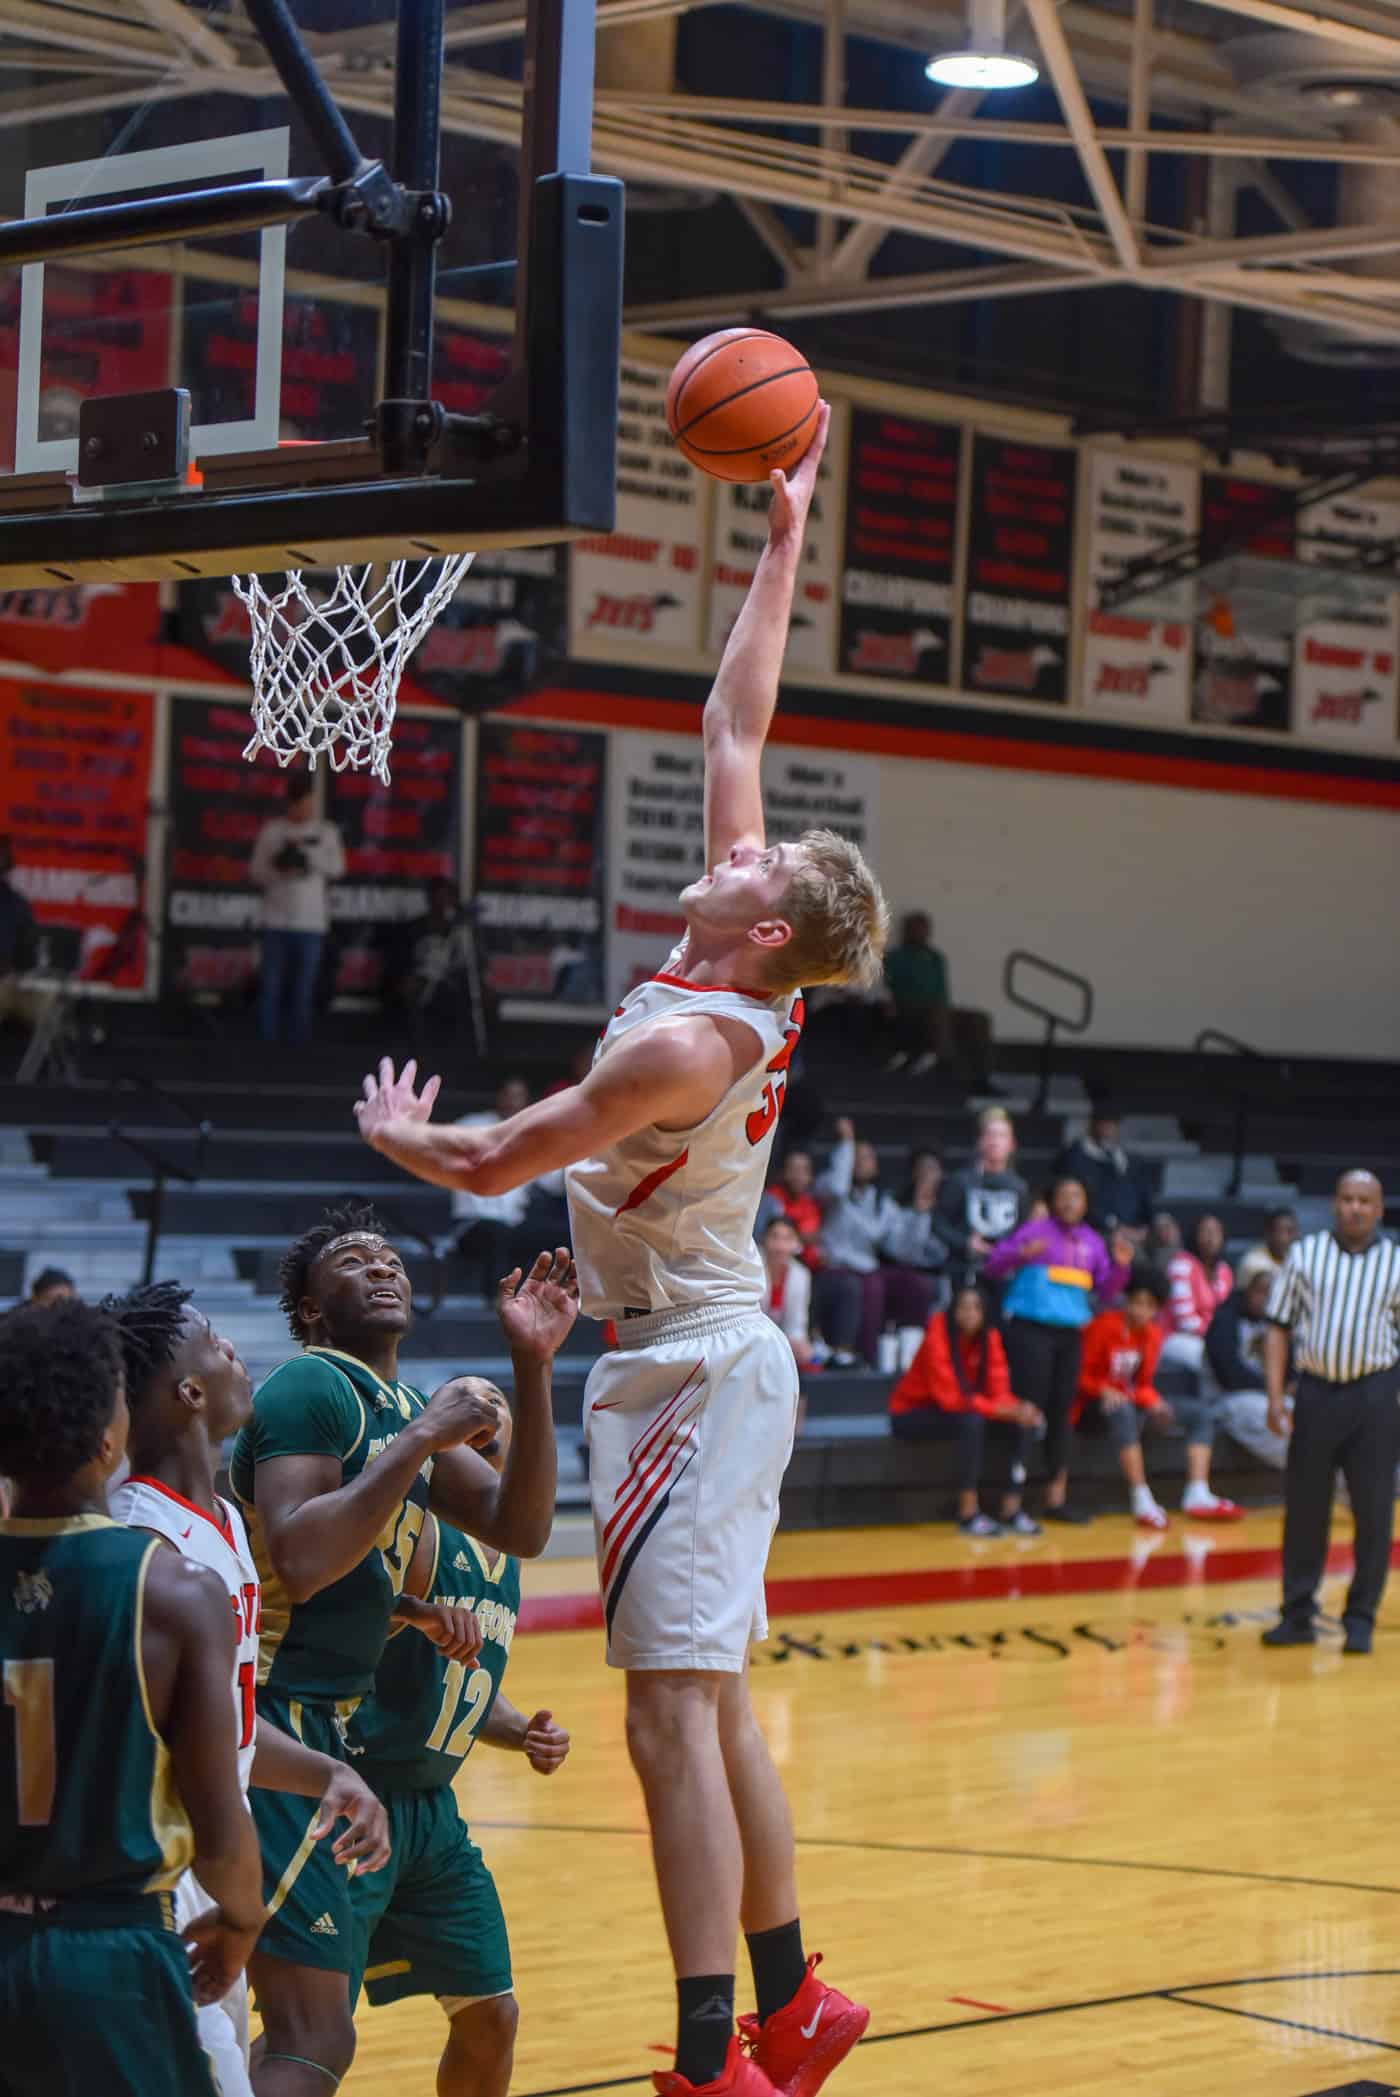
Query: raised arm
<point x="515" y="1511"/>
<point x="740" y="706"/>
<point x="672" y="1072"/>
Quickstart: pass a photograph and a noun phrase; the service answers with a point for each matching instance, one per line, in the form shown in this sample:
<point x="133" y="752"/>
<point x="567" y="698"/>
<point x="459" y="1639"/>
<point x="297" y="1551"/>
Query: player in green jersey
<point x="117" y="1759"/>
<point x="431" y="1922"/>
<point x="335" y="1473"/>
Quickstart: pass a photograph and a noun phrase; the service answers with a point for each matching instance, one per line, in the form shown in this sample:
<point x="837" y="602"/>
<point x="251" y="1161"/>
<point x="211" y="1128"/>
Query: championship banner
<point x="1136" y="665"/>
<point x="75" y="773"/>
<point x="504" y="632"/>
<point x="540" y="817"/>
<point x="901" y="539"/>
<point x="83" y="626"/>
<point x="1244" y="660"/>
<point x="638" y="589"/>
<point x="105" y="331"/>
<point x="1020" y="556"/>
<point x="1348" y="639"/>
<point x="657" y="831"/>
<point x="738" y="535"/>
<point x="330" y="355"/>
<point x="397" y="840"/>
<point x="216" y="803"/>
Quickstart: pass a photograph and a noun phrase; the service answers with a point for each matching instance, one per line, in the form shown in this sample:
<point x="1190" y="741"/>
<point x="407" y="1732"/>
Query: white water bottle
<point x="887" y="1352"/>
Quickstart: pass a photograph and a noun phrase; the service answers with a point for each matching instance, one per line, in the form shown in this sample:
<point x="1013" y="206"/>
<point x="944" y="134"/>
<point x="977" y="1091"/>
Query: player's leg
<point x="300" y="1972"/>
<point x="480" y="2051"/>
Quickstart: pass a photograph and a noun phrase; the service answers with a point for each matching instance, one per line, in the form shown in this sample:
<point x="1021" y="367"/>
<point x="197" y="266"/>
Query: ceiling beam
<point x="773" y="233"/>
<point x="1304" y="21"/>
<point x="1318" y="244"/>
<point x="862" y="295"/>
<point x="857" y="250"/>
<point x="72" y="31"/>
<point x="1045" y="20"/>
<point x="1139" y="110"/>
<point x="189" y="32"/>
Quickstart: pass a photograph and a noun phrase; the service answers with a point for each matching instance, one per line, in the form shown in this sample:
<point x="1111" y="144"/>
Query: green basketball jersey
<point x="88" y="1804"/>
<point x="422" y="1720"/>
<point x="327" y="1403"/>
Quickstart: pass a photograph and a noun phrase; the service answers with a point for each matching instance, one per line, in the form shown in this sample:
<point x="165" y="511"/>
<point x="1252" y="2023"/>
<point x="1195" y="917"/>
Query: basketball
<point x="741" y="402"/>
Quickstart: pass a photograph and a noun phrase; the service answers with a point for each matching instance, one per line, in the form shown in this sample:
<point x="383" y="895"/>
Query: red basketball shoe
<point x="740" y="2077"/>
<point x="801" y="2044"/>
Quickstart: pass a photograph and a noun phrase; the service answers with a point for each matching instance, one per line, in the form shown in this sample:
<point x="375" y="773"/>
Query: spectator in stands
<point x="980" y="1204"/>
<point x="1163" y="1238"/>
<point x="1200" y="1279"/>
<point x="788" y="1300"/>
<point x="51" y="1285"/>
<point x="855" y="1295"/>
<point x="1057" y="1265"/>
<point x="915" y="1240"/>
<point x="958" y="1387"/>
<point x="792" y="1196"/>
<point x="928" y="1029"/>
<point x="1280" y="1232"/>
<point x="295" y="858"/>
<point x="1122" y="1348"/>
<point x="485" y="1225"/>
<point x="1114" y="1184"/>
<point x="1233" y="1372"/>
<point x="19" y="947"/>
<point x="429" y="972"/>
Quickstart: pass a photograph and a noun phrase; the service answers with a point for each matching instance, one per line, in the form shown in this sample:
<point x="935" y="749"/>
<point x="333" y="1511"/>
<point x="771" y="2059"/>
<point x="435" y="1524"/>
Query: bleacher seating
<point x="74" y="1193"/>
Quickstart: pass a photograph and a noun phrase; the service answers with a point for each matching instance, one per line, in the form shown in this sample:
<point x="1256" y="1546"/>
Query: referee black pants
<point x="1353" y="1428"/>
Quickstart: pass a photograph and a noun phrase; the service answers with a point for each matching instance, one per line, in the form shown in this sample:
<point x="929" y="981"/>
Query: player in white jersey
<point x="187" y="1392"/>
<point x="690" y="1417"/>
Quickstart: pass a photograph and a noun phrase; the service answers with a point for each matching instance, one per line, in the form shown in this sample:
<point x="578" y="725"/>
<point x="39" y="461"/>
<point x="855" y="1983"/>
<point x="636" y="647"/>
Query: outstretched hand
<point x="537" y="1312"/>
<point x="389" y="1098"/>
<point x="792" y="493"/>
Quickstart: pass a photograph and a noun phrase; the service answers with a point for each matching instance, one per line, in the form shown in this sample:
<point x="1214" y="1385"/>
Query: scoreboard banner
<point x="541" y="815"/>
<point x="738" y="535"/>
<point x="901" y="540"/>
<point x="1346" y="646"/>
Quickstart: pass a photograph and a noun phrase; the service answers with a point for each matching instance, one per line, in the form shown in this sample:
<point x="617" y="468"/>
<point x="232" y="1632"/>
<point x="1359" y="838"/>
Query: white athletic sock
<point x="1143" y="1500"/>
<point x="1197" y="1494"/>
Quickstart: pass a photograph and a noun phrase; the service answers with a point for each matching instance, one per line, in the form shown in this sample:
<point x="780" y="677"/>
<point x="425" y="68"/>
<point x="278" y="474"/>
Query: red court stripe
<point x="970" y="2002"/>
<point x="972" y="1583"/>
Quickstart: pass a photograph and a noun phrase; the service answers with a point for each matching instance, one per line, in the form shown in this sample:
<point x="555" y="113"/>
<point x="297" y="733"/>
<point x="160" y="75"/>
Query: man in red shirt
<point x="956" y="1386"/>
<point x="1121" y="1351"/>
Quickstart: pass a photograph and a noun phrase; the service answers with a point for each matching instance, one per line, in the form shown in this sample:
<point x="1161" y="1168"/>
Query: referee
<point x="1339" y="1293"/>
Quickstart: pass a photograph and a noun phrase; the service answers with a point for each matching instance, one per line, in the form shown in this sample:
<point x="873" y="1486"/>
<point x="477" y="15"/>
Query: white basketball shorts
<point x="689" y="1422"/>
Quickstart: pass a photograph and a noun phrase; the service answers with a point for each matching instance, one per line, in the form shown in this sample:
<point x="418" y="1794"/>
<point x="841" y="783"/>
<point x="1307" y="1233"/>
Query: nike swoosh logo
<point x="809" y="2030"/>
<point x="185" y="1532"/>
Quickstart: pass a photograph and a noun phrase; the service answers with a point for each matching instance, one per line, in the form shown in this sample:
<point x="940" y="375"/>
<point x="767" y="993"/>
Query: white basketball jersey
<point x="142" y="1503"/>
<point x="664" y="1219"/>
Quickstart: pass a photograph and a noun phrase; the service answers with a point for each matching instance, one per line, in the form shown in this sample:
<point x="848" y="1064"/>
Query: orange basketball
<point x="741" y="402"/>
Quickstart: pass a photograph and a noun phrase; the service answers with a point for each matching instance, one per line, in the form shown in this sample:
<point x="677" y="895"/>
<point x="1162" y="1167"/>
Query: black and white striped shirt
<point x="1344" y="1307"/>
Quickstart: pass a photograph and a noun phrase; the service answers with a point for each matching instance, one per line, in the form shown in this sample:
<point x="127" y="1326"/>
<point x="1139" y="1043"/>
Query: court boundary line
<point x="1060" y="2009"/>
<point x="1321" y="2031"/>
<point x="1010" y="1581"/>
<point x="1002" y="1856"/>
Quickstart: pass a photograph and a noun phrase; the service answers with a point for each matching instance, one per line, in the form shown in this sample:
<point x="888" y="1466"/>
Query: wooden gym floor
<point x="1063" y="1824"/>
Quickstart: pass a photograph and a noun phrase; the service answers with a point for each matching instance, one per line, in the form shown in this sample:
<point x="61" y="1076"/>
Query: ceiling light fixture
<point x="985" y="63"/>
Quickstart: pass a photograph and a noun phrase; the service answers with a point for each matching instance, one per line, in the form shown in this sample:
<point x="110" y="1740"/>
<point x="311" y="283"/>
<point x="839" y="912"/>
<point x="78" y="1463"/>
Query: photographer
<point x="294" y="858"/>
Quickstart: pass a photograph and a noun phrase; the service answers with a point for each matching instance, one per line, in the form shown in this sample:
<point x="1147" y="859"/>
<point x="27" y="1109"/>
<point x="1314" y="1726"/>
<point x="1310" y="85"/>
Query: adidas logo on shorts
<point x="324" y="1927"/>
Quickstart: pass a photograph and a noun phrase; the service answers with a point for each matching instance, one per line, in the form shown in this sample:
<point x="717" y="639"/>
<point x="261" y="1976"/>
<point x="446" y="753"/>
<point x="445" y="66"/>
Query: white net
<point x="329" y="650"/>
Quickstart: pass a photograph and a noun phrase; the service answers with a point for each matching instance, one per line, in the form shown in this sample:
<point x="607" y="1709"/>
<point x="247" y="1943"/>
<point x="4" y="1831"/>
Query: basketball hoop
<point x="329" y="652"/>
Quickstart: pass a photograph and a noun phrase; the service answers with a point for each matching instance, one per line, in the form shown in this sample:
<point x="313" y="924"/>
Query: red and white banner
<point x="1348" y="638"/>
<point x="637" y="592"/>
<point x="75" y="774"/>
<point x="738" y="535"/>
<point x="1136" y="663"/>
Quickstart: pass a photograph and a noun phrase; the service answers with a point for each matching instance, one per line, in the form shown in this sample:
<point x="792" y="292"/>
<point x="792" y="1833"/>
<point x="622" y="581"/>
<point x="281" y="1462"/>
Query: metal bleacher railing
<point x="1214" y="1040"/>
<point x="1070" y="1022"/>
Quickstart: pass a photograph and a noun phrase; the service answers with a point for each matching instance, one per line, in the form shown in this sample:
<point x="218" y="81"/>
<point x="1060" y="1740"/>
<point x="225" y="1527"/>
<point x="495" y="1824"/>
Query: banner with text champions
<point x="657" y="831"/>
<point x="75" y="770"/>
<point x="540" y="838"/>
<point x="1020" y="555"/>
<point x="1137" y="662"/>
<point x="638" y="589"/>
<point x="901" y="534"/>
<point x="738" y="535"/>
<point x="216" y="804"/>
<point x="398" y="839"/>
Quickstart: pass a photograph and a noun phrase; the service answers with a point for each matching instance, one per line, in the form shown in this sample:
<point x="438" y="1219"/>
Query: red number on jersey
<point x="246" y="1686"/>
<point x="771" y="1105"/>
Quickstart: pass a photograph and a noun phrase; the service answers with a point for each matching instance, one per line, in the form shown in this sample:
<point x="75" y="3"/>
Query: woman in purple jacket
<point x="1058" y="1267"/>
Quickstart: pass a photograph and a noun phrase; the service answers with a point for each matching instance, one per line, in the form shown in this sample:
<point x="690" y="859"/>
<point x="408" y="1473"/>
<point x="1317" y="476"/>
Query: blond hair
<point x="839" y="918"/>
